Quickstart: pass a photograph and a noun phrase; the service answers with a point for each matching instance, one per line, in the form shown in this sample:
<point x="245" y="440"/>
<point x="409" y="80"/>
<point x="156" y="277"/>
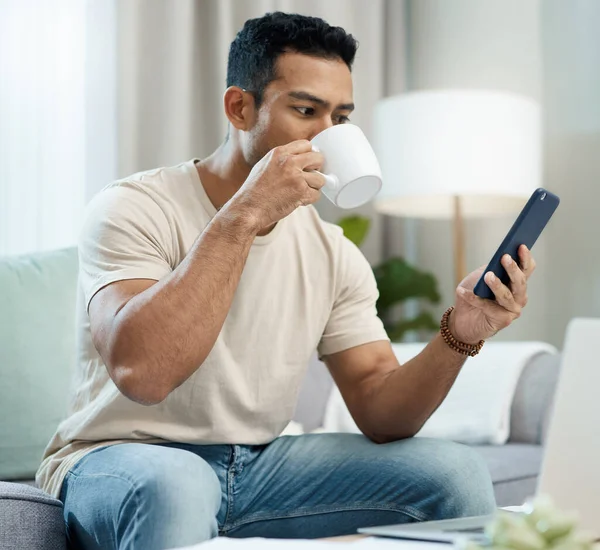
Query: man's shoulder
<point x="157" y="180"/>
<point x="172" y="190"/>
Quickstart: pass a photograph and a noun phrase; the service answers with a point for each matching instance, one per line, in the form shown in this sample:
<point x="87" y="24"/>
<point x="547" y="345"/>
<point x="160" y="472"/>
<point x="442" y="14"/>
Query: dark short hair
<point x="254" y="51"/>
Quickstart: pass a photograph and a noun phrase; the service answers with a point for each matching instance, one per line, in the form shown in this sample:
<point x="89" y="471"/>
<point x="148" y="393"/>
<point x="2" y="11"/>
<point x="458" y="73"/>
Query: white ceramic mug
<point x="351" y="169"/>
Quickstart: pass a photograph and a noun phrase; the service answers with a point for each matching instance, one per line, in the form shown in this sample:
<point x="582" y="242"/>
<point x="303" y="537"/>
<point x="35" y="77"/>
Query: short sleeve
<point x="125" y="235"/>
<point x="353" y="320"/>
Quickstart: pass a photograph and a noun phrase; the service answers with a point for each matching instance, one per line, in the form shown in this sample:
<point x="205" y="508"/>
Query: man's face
<point x="308" y="95"/>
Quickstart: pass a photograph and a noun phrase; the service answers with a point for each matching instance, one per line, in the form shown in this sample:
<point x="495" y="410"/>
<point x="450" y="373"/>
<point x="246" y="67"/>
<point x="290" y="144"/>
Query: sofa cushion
<point x="37" y="343"/>
<point x="514" y="469"/>
<point x="30" y="519"/>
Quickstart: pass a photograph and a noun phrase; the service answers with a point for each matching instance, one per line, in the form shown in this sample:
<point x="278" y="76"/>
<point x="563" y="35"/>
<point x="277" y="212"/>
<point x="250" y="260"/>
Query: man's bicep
<point x="123" y="250"/>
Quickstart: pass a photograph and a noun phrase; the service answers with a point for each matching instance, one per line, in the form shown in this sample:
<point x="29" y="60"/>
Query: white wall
<point x="549" y="51"/>
<point x="468" y="43"/>
<point x="485" y="45"/>
<point x="571" y="96"/>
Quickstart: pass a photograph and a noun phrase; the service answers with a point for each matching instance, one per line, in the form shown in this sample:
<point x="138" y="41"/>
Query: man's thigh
<point x="135" y="495"/>
<point x="330" y="484"/>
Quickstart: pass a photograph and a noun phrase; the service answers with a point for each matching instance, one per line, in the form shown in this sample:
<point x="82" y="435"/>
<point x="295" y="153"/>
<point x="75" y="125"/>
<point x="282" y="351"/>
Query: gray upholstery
<point x="30" y="519"/>
<point x="531" y="406"/>
<point x="514" y="469"/>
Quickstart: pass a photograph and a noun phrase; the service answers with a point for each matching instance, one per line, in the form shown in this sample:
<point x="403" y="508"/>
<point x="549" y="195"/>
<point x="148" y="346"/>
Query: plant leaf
<point x="398" y="281"/>
<point x="355" y="228"/>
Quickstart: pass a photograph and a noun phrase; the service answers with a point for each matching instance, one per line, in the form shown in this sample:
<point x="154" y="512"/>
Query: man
<point x="204" y="289"/>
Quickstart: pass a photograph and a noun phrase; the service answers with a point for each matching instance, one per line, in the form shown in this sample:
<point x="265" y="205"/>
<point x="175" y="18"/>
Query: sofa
<point x="37" y="357"/>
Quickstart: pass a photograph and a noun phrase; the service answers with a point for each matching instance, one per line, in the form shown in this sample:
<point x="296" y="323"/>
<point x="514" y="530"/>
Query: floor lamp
<point x="457" y="154"/>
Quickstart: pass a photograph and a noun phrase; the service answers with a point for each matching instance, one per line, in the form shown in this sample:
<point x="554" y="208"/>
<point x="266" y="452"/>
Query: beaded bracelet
<point x="465" y="349"/>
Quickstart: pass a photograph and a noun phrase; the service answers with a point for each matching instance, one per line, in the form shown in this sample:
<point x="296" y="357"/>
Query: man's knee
<point x="182" y="488"/>
<point x="462" y="480"/>
<point x="142" y="496"/>
<point x="444" y="479"/>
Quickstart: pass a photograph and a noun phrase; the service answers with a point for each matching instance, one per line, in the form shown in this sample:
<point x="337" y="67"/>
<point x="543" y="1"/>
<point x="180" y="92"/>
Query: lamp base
<point x="460" y="264"/>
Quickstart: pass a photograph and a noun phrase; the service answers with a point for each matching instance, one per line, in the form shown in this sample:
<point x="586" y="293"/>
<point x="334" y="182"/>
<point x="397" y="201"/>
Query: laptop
<point x="569" y="472"/>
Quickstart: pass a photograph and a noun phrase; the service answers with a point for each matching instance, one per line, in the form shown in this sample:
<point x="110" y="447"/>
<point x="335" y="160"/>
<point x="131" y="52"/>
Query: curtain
<point x="571" y="96"/>
<point x="57" y="118"/>
<point x="42" y="123"/>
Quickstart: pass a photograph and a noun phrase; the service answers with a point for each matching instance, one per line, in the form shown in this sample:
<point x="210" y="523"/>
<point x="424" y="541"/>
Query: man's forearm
<point x="162" y="335"/>
<point x="406" y="396"/>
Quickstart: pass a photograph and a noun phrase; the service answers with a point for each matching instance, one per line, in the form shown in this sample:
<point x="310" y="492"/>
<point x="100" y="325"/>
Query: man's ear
<point x="239" y="107"/>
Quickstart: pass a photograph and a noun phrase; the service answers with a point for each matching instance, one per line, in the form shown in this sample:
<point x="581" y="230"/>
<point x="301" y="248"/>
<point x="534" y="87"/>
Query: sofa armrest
<point x="533" y="399"/>
<point x="30" y="518"/>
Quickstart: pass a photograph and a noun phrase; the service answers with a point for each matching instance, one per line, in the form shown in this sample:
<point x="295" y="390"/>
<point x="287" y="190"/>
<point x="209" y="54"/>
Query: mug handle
<point x="331" y="180"/>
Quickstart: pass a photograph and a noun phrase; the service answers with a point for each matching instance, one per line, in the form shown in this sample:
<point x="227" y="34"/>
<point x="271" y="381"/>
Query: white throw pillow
<point x="477" y="408"/>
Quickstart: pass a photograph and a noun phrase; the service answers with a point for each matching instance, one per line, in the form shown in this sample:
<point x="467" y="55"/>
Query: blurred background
<point x="95" y="90"/>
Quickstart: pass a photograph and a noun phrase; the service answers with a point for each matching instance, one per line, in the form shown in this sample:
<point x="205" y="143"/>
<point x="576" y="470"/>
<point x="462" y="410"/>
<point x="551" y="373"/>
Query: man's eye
<point x="306" y="111"/>
<point x="343" y="119"/>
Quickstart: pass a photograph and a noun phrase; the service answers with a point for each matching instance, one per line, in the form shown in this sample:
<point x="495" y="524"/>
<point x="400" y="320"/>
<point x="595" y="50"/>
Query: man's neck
<point x="223" y="173"/>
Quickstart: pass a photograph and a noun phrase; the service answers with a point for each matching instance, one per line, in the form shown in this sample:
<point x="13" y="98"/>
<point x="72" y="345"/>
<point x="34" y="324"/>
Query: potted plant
<point x="397" y="282"/>
<point x="541" y="525"/>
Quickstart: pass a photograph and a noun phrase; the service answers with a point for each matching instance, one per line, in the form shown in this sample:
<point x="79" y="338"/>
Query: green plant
<point x="397" y="282"/>
<point x="541" y="526"/>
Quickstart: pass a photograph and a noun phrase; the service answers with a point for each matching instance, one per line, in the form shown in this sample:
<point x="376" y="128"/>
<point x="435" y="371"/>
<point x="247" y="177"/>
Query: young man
<point x="204" y="289"/>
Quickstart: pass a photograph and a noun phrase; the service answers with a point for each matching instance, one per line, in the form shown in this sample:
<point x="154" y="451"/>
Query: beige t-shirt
<point x="304" y="287"/>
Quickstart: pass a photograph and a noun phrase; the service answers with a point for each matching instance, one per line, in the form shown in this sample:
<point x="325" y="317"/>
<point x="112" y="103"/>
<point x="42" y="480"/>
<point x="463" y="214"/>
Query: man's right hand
<point x="280" y="182"/>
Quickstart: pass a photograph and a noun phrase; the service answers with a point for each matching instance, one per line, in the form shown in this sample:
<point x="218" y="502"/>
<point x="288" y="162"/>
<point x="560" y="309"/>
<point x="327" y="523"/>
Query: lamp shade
<point x="483" y="146"/>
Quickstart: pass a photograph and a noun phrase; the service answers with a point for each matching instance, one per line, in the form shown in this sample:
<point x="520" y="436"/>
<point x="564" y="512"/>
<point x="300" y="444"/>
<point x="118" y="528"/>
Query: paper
<point x="521" y="509"/>
<point x="369" y="543"/>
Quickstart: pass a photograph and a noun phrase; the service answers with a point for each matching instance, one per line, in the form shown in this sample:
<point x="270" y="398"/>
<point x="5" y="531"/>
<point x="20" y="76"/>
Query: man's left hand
<point x="474" y="318"/>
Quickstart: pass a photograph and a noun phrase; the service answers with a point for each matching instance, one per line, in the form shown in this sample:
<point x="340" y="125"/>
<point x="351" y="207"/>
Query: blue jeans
<point x="143" y="496"/>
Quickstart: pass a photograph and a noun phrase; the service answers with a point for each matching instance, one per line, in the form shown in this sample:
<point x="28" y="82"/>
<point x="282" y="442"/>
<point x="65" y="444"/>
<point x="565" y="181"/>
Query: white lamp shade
<point x="483" y="146"/>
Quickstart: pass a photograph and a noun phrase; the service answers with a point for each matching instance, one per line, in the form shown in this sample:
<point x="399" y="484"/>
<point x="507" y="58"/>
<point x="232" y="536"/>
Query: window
<point x="45" y="113"/>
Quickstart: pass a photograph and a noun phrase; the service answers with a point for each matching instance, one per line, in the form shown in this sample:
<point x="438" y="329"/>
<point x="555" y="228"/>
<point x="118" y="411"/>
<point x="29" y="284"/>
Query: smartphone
<point x="526" y="230"/>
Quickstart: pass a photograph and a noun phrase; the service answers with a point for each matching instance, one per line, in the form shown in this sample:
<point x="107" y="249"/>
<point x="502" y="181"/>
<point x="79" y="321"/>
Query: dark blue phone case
<point x="526" y="230"/>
